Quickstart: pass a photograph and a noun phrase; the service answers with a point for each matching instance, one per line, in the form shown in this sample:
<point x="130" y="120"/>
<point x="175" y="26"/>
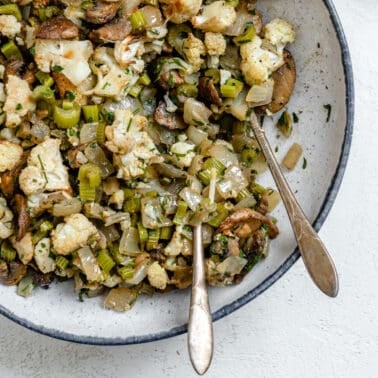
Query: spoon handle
<point x="315" y="256"/>
<point x="200" y="328"/>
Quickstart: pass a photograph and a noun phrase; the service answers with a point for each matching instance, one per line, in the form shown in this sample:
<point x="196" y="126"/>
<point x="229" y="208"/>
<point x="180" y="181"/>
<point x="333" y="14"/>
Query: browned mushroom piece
<point x="170" y="79"/>
<point x="72" y="156"/>
<point x="102" y="12"/>
<point x="12" y="273"/>
<point x="63" y="84"/>
<point x="9" y="178"/>
<point x="41" y="3"/>
<point x="207" y="91"/>
<point x="23" y="220"/>
<point x="42" y="279"/>
<point x="115" y="31"/>
<point x="29" y="76"/>
<point x="58" y="28"/>
<point x="14" y="67"/>
<point x="167" y="119"/>
<point x="284" y="82"/>
<point x="243" y="222"/>
<point x="182" y="277"/>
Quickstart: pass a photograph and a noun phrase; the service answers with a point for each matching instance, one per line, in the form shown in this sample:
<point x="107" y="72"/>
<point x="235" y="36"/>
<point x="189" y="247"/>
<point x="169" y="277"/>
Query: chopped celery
<point x="246" y="37"/>
<point x="66" y="118"/>
<point x="11" y="9"/>
<point x="143" y="233"/>
<point x="11" y="51"/>
<point x="7" y="253"/>
<point x="153" y="239"/>
<point x="179" y="218"/>
<point x="138" y="21"/>
<point x="105" y="261"/>
<point x="232" y="88"/>
<point x="61" y="262"/>
<point x="91" y="113"/>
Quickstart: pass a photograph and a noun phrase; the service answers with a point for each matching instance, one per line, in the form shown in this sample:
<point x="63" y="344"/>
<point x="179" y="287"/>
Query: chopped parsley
<point x="18" y="106"/>
<point x="70" y="95"/>
<point x="43" y="170"/>
<point x="304" y="164"/>
<point x="328" y="107"/>
<point x="105" y="85"/>
<point x="57" y="68"/>
<point x="295" y="118"/>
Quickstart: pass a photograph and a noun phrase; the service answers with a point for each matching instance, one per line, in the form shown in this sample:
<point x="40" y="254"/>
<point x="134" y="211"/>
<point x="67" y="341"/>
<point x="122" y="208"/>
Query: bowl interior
<point x="320" y="82"/>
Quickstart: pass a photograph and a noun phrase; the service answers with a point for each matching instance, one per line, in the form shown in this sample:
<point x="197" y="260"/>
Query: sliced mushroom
<point x="58" y="28"/>
<point x="14" y="67"/>
<point x="8" y="179"/>
<point x="182" y="277"/>
<point x="170" y="79"/>
<point x="102" y="12"/>
<point x="245" y="221"/>
<point x="12" y="273"/>
<point x="115" y="31"/>
<point x="167" y="119"/>
<point x="42" y="279"/>
<point x="284" y="82"/>
<point x="207" y="91"/>
<point x="63" y="84"/>
<point x="41" y="3"/>
<point x="23" y="221"/>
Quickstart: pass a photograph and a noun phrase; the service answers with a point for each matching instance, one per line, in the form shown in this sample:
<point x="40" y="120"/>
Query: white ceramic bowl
<point x="324" y="77"/>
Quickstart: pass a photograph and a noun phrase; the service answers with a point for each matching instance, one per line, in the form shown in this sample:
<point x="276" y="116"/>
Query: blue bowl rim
<point x="282" y="269"/>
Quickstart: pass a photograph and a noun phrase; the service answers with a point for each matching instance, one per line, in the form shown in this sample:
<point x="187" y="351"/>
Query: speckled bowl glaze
<point x="324" y="77"/>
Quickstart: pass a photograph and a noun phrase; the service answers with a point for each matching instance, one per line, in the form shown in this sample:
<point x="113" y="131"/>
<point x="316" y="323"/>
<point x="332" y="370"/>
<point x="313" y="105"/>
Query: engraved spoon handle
<point x="315" y="256"/>
<point x="200" y="328"/>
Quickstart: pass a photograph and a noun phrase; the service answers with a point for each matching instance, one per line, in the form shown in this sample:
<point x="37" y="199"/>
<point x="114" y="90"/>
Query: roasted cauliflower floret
<point x="42" y="256"/>
<point x="184" y="153"/>
<point x="279" y="33"/>
<point x="180" y="11"/>
<point x="24" y="248"/>
<point x="193" y="48"/>
<point x="76" y="231"/>
<point x="215" y="43"/>
<point x="10" y="155"/>
<point x="45" y="170"/>
<point x="72" y="56"/>
<point x="133" y="148"/>
<point x="9" y="26"/>
<point x="175" y="246"/>
<point x="157" y="276"/>
<point x="111" y="78"/>
<point x="6" y="217"/>
<point x="257" y="63"/>
<point x="216" y="17"/>
<point x="19" y="100"/>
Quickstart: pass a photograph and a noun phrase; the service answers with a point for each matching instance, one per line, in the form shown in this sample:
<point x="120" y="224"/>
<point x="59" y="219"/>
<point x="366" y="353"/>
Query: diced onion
<point x="196" y="113"/>
<point x="261" y="94"/>
<point x="231" y="265"/>
<point x="196" y="135"/>
<point x="89" y="264"/>
<point x="129" y="243"/>
<point x="152" y="16"/>
<point x="88" y="132"/>
<point x="223" y="151"/>
<point x="66" y="207"/>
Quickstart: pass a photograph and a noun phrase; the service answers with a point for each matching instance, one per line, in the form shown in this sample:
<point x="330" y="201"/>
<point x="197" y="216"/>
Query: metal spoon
<point x="200" y="328"/>
<point x="315" y="256"/>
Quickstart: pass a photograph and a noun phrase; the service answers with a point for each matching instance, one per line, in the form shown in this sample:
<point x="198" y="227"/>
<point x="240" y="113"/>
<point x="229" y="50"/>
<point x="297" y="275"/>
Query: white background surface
<point x="291" y="330"/>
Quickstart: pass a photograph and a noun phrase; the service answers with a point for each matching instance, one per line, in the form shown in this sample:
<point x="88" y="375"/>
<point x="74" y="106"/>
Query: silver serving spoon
<point x="200" y="328"/>
<point x="315" y="256"/>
